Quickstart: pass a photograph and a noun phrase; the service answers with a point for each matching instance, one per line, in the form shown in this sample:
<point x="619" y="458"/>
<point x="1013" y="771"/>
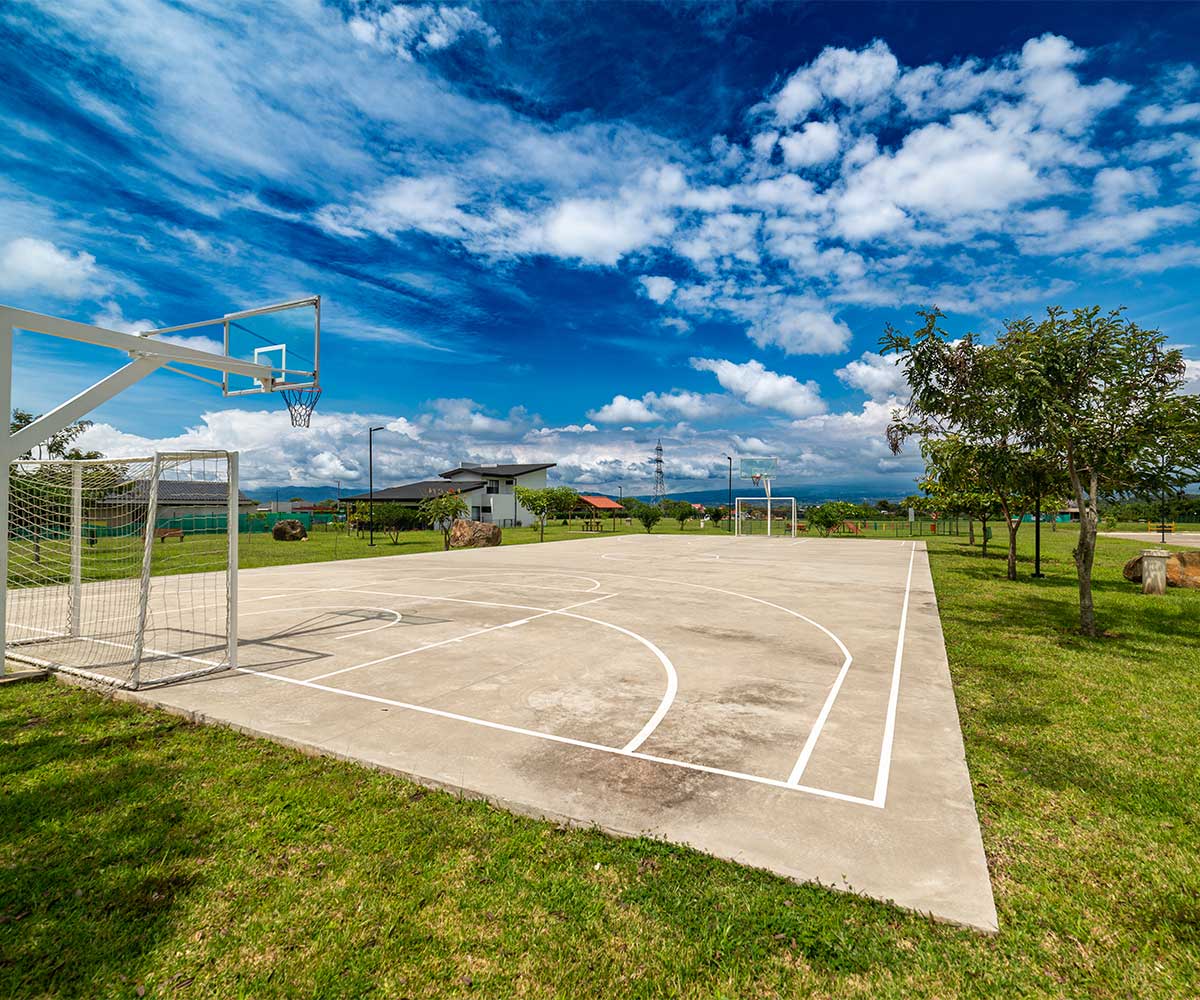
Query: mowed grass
<point x="143" y="854"/>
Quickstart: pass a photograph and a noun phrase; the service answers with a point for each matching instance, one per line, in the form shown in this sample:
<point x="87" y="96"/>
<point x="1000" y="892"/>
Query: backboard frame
<point x="758" y="468"/>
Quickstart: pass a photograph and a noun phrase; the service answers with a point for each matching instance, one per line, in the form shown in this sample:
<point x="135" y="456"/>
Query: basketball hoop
<point x="757" y="477"/>
<point x="301" y="403"/>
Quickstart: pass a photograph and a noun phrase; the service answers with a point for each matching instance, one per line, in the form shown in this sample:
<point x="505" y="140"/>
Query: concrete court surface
<point x="782" y="703"/>
<point x="1153" y="539"/>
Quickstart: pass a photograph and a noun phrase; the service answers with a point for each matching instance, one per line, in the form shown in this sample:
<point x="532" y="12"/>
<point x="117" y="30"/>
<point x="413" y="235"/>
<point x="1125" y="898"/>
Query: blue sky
<point x="559" y="232"/>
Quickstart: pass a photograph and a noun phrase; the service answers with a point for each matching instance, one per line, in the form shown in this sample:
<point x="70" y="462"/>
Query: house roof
<point x="418" y="491"/>
<point x="175" y="492"/>
<point x="599" y="503"/>
<point x="500" y="470"/>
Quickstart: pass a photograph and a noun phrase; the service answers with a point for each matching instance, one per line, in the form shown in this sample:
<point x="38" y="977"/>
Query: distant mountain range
<point x="805" y="495"/>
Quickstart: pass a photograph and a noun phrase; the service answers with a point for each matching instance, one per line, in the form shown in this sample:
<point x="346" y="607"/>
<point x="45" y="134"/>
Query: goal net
<point x="762" y="516"/>
<point x="124" y="570"/>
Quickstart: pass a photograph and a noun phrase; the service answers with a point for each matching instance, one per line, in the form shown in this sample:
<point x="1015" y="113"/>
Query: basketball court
<point x="781" y="702"/>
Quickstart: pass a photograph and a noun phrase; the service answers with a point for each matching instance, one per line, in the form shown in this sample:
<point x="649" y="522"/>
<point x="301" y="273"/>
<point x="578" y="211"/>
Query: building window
<point x="493" y="485"/>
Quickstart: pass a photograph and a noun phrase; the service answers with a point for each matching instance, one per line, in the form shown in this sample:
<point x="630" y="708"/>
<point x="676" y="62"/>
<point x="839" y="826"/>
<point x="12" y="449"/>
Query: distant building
<point x="488" y="490"/>
<point x="176" y="498"/>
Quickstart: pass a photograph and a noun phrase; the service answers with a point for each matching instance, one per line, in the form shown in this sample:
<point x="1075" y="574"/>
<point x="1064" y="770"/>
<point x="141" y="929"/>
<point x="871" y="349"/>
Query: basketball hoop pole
<point x="147" y="358"/>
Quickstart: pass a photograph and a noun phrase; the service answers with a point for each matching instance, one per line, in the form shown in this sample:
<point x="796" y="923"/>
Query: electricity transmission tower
<point x="660" y="484"/>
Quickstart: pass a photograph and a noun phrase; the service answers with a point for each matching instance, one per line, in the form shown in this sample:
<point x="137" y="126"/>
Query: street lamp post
<point x="1037" y="537"/>
<point x="621" y="495"/>
<point x="371" y="481"/>
<point x="729" y="505"/>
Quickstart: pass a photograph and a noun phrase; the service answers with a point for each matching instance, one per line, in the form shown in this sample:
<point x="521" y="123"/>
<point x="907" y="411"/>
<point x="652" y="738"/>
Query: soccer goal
<point x="775" y="517"/>
<point x="124" y="570"/>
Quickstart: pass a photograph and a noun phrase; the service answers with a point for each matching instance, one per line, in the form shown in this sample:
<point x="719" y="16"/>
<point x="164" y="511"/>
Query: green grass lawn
<point x="139" y="852"/>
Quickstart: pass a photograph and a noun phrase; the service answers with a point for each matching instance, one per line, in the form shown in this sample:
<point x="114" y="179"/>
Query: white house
<point x="488" y="489"/>
<point x="497" y="502"/>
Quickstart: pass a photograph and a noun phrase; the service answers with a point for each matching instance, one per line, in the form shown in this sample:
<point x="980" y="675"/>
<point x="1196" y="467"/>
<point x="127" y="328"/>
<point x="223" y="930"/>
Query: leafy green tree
<point x="539" y="503"/>
<point x="647" y="514"/>
<point x="828" y="516"/>
<point x="395" y="518"/>
<point x="563" y="500"/>
<point x="1107" y="402"/>
<point x="716" y="515"/>
<point x="60" y="445"/>
<point x="679" y="510"/>
<point x="441" y="510"/>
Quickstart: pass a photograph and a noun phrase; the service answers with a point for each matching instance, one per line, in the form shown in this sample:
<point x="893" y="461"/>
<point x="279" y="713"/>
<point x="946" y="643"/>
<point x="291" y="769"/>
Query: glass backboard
<point x="758" y="468"/>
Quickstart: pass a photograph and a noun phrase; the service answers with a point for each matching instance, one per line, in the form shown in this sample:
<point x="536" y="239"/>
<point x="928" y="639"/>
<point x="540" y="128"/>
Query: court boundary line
<point x="889" y="726"/>
<point x="567" y="740"/>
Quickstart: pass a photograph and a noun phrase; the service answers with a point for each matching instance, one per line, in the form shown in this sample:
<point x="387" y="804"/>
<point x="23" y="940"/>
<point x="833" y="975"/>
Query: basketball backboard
<point x="758" y="468"/>
<point x="284" y="336"/>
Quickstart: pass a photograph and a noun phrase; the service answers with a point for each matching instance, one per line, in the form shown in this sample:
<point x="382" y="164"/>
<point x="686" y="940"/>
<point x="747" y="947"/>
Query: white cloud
<point x="1112" y="187"/>
<point x="877" y="376"/>
<point x="34" y="266"/>
<point x="758" y="386"/>
<point x="623" y="410"/>
<point x="858" y="79"/>
<point x="406" y="30"/>
<point x="800" y="330"/>
<point x="1180" y="114"/>
<point x="816" y="143"/>
<point x="1191" y="377"/>
<point x="111" y="317"/>
<point x="657" y="287"/>
<point x="602" y="231"/>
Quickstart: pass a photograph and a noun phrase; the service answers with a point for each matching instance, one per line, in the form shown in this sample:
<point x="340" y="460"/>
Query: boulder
<point x="1183" y="570"/>
<point x="289" y="530"/>
<point x="473" y="535"/>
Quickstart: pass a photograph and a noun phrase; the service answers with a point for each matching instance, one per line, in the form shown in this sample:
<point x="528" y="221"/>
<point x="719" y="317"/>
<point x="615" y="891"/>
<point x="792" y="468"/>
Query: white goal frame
<point x="147" y="354"/>
<point x="80" y="593"/>
<point x="770" y="503"/>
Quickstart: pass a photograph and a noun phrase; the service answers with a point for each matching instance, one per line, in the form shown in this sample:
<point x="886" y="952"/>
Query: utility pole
<point x="660" y="482"/>
<point x="371" y="479"/>
<point x="1037" y="537"/>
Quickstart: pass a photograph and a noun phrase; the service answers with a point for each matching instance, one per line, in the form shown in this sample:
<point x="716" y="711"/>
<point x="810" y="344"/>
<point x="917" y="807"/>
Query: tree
<point x="59" y="445"/>
<point x="648" y="514"/>
<point x="973" y="402"/>
<point x="538" y="502"/>
<point x="563" y="500"/>
<point x="1108" y="406"/>
<point x="716" y="515"/>
<point x="679" y="510"/>
<point x="442" y="510"/>
<point x="394" y="518"/>
<point x="827" y="516"/>
<point x="954" y="487"/>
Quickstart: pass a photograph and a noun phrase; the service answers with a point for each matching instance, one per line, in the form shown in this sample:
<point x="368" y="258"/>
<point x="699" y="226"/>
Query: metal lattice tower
<point x="660" y="483"/>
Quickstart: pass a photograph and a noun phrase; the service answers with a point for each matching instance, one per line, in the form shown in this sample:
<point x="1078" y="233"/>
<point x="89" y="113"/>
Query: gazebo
<point x="592" y="507"/>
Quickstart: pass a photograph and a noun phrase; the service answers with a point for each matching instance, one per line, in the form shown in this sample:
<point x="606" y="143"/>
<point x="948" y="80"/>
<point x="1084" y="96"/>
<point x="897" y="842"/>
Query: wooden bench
<point x="162" y="534"/>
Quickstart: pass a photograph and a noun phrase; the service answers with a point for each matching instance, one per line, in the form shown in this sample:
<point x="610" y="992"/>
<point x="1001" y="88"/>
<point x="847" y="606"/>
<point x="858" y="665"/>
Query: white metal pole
<point x="231" y="575"/>
<point x="76" y="615"/>
<point x="767" y="484"/>
<point x="6" y="345"/>
<point x="139" y="639"/>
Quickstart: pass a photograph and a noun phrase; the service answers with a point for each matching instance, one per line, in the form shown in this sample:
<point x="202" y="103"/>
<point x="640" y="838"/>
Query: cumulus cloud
<point x="858" y="79"/>
<point x="34" y="266"/>
<point x="657" y="287"/>
<point x="1192" y="377"/>
<point x="1180" y="114"/>
<point x="877" y="376"/>
<point x="816" y="143"/>
<point x="758" y="386"/>
<point x="623" y="410"/>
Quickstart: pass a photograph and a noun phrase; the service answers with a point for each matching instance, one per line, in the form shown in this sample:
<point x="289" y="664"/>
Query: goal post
<point x="768" y="516"/>
<point x="124" y="570"/>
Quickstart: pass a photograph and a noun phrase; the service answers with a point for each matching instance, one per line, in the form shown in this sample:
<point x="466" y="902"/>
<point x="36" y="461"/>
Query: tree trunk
<point x="971" y="531"/>
<point x="1014" y="525"/>
<point x="1085" y="549"/>
<point x="983" y="531"/>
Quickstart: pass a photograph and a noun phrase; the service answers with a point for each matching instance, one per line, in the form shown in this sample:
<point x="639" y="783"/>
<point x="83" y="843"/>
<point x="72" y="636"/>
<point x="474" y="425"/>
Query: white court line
<point x="553" y="738"/>
<point x="652" y="723"/>
<point x="502" y="576"/>
<point x="455" y="639"/>
<point x="398" y="617"/>
<point x="889" y="726"/>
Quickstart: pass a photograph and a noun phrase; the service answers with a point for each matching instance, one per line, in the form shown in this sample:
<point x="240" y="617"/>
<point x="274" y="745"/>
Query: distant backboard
<point x="758" y="468"/>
